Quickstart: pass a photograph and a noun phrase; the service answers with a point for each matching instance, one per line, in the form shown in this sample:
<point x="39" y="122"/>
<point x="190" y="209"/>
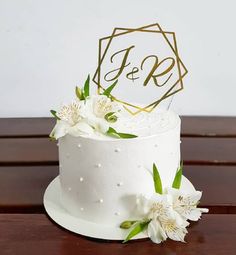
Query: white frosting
<point x="101" y="176"/>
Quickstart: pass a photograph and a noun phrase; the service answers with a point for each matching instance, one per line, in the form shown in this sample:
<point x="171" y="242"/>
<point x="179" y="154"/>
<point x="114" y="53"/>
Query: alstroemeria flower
<point x="85" y="117"/>
<point x="150" y="207"/>
<point x="71" y="121"/>
<point x="101" y="105"/>
<point x="174" y="226"/>
<point x="96" y="108"/>
<point x="71" y="113"/>
<point x="165" y="221"/>
<point x="186" y="204"/>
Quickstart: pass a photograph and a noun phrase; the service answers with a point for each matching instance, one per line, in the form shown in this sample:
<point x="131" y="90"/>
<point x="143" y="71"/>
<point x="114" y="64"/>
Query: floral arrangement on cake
<point x="166" y="213"/>
<point x="88" y="114"/>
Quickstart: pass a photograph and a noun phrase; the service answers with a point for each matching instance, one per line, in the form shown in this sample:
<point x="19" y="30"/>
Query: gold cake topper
<point x="155" y="65"/>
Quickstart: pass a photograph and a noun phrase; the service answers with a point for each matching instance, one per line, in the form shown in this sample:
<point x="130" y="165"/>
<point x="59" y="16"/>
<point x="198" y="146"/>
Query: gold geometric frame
<point x="153" y="28"/>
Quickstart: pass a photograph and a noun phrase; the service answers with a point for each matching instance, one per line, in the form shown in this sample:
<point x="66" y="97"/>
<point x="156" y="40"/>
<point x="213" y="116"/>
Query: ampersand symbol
<point x="130" y="75"/>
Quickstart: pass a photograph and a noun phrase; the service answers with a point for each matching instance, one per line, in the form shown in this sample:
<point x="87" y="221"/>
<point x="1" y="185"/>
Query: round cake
<point x="100" y="176"/>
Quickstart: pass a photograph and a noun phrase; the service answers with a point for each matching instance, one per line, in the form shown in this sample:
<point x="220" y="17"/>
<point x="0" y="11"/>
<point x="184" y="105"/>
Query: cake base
<point x="80" y="226"/>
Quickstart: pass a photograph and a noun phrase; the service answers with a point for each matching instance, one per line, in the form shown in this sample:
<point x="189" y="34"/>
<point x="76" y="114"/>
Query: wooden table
<point x="29" y="161"/>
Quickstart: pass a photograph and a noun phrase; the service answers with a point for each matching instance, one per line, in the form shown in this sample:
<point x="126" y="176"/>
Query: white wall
<point x="48" y="46"/>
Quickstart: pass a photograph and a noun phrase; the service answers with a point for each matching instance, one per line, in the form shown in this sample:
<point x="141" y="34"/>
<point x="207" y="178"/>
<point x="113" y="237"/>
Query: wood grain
<point x="192" y="126"/>
<point x="36" y="234"/>
<point x="208" y="126"/>
<point x="28" y="151"/>
<point x="25" y="127"/>
<point x="22" y="188"/>
<point x="41" y="151"/>
<point x="208" y="151"/>
<point x="28" y="163"/>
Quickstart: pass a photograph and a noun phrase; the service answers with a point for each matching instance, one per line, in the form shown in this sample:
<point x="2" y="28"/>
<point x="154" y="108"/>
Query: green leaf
<point x="127" y="224"/>
<point x="54" y="113"/>
<point x="107" y="91"/>
<point x="112" y="132"/>
<point x="138" y="228"/>
<point x="126" y="136"/>
<point x="178" y="177"/>
<point x="110" y="117"/>
<point x="157" y="180"/>
<point x="86" y="87"/>
<point x="79" y="93"/>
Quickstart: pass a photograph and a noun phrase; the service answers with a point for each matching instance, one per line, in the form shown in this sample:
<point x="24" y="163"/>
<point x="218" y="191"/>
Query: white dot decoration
<point x="81" y="179"/>
<point x="101" y="200"/>
<point x="180" y="142"/>
<point x="99" y="165"/>
<point x="69" y="189"/>
<point x="117" y="149"/>
<point x="119" y="184"/>
<point x="81" y="209"/>
<point x="79" y="145"/>
<point x="60" y="166"/>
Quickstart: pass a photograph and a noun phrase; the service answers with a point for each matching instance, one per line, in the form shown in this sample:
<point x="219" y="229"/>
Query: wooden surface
<point x="37" y="235"/>
<point x="42" y="151"/>
<point x="29" y="161"/>
<point x="191" y="127"/>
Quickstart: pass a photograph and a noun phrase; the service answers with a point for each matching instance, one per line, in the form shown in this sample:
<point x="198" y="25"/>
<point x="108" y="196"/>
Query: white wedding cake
<point x="119" y="172"/>
<point x="100" y="176"/>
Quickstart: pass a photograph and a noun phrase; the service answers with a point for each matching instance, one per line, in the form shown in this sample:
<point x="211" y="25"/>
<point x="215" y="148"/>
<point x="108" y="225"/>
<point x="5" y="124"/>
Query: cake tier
<point x="100" y="178"/>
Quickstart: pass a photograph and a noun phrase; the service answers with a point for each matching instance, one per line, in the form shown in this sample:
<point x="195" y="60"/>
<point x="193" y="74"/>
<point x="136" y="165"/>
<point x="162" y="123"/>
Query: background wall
<point x="49" y="46"/>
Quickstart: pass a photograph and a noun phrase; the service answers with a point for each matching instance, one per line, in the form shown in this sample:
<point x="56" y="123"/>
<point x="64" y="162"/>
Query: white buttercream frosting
<point x="143" y="124"/>
<point x="105" y="174"/>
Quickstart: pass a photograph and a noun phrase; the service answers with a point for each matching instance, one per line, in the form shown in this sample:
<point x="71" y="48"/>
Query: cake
<point x="100" y="176"/>
<point x="119" y="174"/>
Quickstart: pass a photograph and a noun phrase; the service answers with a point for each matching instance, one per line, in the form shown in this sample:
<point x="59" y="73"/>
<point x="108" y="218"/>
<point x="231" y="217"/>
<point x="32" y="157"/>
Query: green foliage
<point x="87" y="87"/>
<point x="127" y="224"/>
<point x="54" y="113"/>
<point x="111" y="117"/>
<point x="107" y="91"/>
<point x="178" y="177"/>
<point x="112" y="132"/>
<point x="82" y="94"/>
<point x="157" y="180"/>
<point x="138" y="228"/>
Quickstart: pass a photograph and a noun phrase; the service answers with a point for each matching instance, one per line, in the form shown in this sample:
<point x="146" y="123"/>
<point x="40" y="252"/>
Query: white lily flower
<point x="186" y="204"/>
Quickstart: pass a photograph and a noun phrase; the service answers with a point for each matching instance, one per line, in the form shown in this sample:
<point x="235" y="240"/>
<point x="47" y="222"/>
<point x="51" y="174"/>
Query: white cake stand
<point x="56" y="211"/>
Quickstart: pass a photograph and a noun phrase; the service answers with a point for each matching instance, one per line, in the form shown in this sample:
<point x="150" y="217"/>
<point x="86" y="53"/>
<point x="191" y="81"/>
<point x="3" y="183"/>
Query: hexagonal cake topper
<point x="145" y="60"/>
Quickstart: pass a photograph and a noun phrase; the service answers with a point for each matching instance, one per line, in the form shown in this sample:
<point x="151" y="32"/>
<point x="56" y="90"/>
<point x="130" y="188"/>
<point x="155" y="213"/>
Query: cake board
<point x="80" y="226"/>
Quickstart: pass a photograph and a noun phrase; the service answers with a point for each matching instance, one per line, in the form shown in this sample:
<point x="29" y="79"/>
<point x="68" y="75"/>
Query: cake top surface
<point x="102" y="117"/>
<point x="143" y="125"/>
